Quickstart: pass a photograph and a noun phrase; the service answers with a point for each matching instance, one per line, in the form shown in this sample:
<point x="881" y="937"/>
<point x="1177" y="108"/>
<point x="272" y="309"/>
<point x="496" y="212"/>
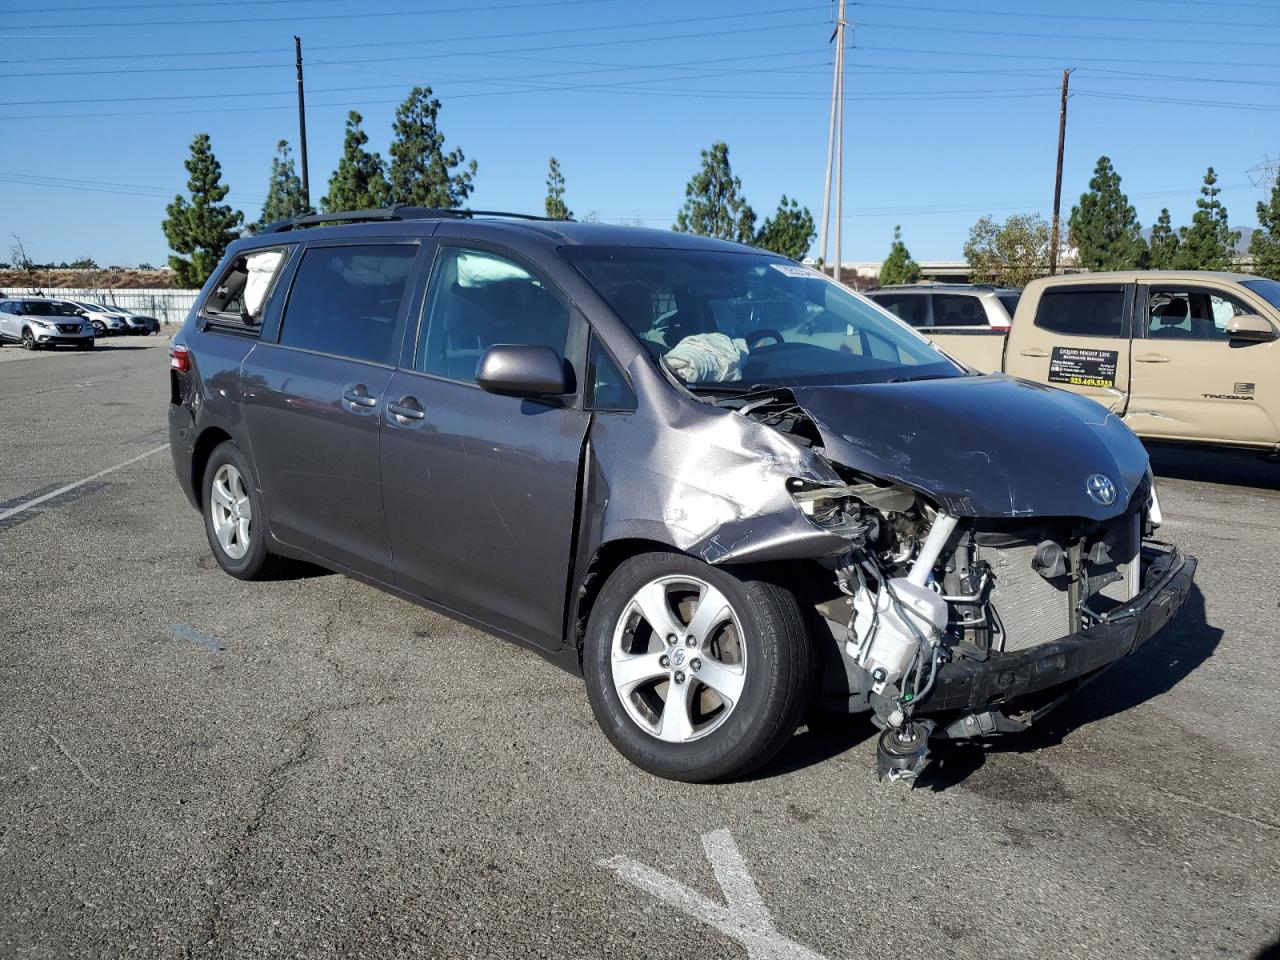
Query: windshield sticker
<point x="792" y="269"/>
<point x="1083" y="367"/>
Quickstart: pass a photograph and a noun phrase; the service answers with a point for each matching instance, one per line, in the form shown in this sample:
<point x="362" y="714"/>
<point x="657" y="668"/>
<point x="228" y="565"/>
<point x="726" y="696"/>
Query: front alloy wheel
<point x="696" y="672"/>
<point x="678" y="662"/>
<point x="28" y="340"/>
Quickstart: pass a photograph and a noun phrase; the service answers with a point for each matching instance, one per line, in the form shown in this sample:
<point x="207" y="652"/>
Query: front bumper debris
<point x="1008" y="691"/>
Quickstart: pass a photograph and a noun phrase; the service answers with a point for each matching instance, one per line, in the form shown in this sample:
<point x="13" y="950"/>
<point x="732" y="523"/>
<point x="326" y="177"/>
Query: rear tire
<point x="234" y="519"/>
<point x="748" y="639"/>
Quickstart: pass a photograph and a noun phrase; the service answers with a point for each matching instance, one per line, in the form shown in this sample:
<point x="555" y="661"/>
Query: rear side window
<point x="958" y="310"/>
<point x="346" y="301"/>
<point x="1010" y="302"/>
<point x="1083" y="313"/>
<point x="241" y="291"/>
<point x="910" y="308"/>
<point x="479" y="299"/>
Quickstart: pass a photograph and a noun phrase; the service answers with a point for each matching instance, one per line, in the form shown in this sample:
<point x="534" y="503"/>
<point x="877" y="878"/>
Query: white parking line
<point x="742" y="917"/>
<point x="36" y="501"/>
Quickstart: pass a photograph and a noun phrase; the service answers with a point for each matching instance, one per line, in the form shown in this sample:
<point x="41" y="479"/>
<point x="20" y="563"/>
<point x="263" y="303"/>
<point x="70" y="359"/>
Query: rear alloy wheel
<point x="695" y="673"/>
<point x="29" y="340"/>
<point x="233" y="519"/>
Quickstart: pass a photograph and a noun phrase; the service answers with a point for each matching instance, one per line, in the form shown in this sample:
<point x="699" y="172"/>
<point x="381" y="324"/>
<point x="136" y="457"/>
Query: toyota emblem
<point x="1100" y="489"/>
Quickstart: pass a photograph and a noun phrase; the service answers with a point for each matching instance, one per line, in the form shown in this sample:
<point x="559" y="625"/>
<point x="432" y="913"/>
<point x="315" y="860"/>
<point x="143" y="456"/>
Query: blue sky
<point x="952" y="108"/>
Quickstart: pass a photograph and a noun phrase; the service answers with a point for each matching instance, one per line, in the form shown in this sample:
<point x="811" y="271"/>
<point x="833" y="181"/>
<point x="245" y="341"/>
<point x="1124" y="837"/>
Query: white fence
<point x="167" y="306"/>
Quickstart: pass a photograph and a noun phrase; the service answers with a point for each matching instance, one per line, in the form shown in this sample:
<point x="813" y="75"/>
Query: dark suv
<point x="713" y="481"/>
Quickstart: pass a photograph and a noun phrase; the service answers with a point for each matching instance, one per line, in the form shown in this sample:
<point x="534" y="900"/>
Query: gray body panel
<point x="494" y="508"/>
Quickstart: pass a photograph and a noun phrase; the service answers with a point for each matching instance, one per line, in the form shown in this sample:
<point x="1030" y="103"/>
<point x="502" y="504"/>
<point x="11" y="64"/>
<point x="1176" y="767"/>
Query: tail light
<point x="179" y="358"/>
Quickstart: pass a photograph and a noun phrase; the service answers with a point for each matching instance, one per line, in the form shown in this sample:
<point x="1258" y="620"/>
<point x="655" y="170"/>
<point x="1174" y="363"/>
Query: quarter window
<point x="608" y="388"/>
<point x="242" y="290"/>
<point x="957" y="310"/>
<point x="910" y="308"/>
<point x="1083" y="313"/>
<point x="346" y="300"/>
<point x="479" y="299"/>
<point x="1190" y="314"/>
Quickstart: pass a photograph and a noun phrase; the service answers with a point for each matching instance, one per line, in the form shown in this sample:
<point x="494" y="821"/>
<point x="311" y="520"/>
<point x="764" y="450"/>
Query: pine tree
<point x="284" y="192"/>
<point x="1164" y="243"/>
<point x="789" y="231"/>
<point x="1104" y="226"/>
<point x="1264" y="245"/>
<point x="898" y="267"/>
<point x="360" y="182"/>
<point x="203" y="227"/>
<point x="421" y="172"/>
<point x="1209" y="243"/>
<point x="555" y="204"/>
<point x="714" y="205"/>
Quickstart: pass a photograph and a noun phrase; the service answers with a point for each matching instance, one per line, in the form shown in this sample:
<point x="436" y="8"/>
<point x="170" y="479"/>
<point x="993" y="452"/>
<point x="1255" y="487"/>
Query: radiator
<point x="1032" y="610"/>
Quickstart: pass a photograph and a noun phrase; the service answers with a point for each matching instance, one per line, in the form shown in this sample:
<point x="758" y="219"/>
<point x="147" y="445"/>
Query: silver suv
<point x="38" y="322"/>
<point x="950" y="306"/>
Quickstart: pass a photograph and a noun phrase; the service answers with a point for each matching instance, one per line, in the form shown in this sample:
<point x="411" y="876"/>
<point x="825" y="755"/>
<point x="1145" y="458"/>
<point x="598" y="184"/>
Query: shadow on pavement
<point x="1215" y="466"/>
<point x="1155" y="668"/>
<point x="1269" y="952"/>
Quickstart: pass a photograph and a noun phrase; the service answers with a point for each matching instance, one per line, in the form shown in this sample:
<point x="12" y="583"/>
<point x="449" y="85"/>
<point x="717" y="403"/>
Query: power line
<point x="170" y="6"/>
<point x="446" y="53"/>
<point x="295" y="18"/>
<point x="1107" y="18"/>
<point x="1055" y="58"/>
<point x="936" y="96"/>
<point x="1182" y="101"/>
<point x="1198" y="41"/>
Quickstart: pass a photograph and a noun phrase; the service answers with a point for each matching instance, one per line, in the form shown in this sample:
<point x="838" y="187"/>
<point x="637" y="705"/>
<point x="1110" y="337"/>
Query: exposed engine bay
<point x="920" y="588"/>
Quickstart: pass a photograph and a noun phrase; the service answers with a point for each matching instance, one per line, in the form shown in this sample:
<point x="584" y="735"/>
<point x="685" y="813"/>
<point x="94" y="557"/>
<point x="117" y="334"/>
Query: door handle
<point x="1033" y="352"/>
<point x="407" y="410"/>
<point x="1152" y="358"/>
<point x="358" y="396"/>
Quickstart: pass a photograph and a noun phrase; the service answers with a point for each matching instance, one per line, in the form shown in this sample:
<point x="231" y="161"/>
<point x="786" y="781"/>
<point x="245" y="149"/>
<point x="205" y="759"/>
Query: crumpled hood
<point x="983" y="446"/>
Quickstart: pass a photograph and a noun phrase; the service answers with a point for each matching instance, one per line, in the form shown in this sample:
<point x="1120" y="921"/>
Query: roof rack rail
<point x="397" y="211"/>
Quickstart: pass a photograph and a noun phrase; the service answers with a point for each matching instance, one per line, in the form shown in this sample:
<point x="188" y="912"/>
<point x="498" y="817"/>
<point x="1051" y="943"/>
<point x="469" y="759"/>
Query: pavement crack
<point x="209" y="942"/>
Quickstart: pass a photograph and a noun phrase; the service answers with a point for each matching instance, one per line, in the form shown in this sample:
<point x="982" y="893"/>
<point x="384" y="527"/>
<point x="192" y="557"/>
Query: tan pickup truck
<point x="1180" y="355"/>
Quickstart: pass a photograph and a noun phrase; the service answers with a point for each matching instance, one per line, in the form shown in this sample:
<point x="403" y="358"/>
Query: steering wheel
<point x="754" y="337"/>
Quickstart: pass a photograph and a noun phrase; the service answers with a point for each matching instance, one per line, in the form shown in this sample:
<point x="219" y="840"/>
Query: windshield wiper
<point x="730" y="391"/>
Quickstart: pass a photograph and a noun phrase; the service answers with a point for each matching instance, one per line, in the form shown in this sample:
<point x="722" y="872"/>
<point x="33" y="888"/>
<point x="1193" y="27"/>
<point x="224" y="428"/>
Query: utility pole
<point x="1057" y="183"/>
<point x="302" y="125"/>
<point x="835" y="145"/>
<point x="840" y="149"/>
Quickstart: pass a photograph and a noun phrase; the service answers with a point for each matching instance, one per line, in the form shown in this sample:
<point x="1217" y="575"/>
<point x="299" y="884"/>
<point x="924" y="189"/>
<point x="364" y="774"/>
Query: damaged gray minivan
<point x="717" y="484"/>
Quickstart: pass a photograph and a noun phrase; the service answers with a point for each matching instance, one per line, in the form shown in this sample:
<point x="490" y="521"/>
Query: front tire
<point x="695" y="672"/>
<point x="29" y="340"/>
<point x="234" y="519"/>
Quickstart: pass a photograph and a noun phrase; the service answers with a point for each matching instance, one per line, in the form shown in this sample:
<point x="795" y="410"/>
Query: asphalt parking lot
<point x="191" y="766"/>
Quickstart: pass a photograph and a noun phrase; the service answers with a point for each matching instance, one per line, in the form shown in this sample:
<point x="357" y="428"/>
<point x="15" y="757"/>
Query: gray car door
<point x="480" y="489"/>
<point x="311" y="401"/>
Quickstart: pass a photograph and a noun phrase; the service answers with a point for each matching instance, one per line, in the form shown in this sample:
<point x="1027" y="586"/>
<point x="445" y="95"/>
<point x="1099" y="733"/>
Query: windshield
<point x="753" y="320"/>
<point x="44" y="308"/>
<point x="1269" y="290"/>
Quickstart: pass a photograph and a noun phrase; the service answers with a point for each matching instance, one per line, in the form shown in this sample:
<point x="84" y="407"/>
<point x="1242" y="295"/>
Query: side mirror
<point x="521" y="370"/>
<point x="1251" y="327"/>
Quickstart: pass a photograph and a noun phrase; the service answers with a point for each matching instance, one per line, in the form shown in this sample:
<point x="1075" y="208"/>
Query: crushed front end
<point x="970" y="626"/>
